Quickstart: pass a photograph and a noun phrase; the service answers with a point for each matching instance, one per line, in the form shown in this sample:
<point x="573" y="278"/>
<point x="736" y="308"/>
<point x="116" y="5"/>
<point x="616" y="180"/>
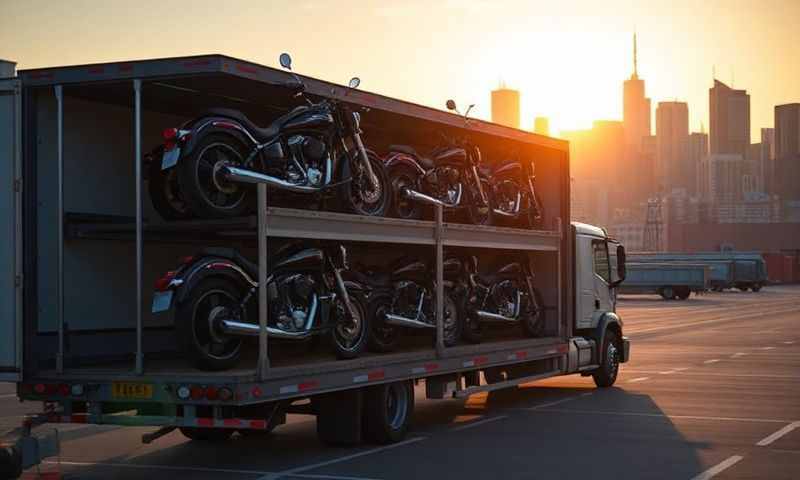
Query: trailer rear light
<point x="225" y="394"/>
<point x="162" y="284"/>
<point x="184" y="393"/>
<point x="170" y="134"/>
<point x="40" y="389"/>
<point x="211" y="393"/>
<point x="64" y="390"/>
<point x="198" y="393"/>
<point x="51" y="389"/>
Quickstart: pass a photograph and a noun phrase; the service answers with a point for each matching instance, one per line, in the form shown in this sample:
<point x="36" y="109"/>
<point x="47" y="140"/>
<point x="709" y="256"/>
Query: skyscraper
<point x="672" y="138"/>
<point x="635" y="108"/>
<point x="505" y="107"/>
<point x="698" y="150"/>
<point x="636" y="124"/>
<point x="787" y="150"/>
<point x="541" y="125"/>
<point x="729" y="110"/>
<point x="766" y="167"/>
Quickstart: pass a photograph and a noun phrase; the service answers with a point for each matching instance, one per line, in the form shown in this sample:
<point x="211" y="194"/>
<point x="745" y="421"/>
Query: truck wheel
<point x="667" y="293"/>
<point x="606" y="375"/>
<point x="10" y="463"/>
<point x="756" y="287"/>
<point x="494" y="375"/>
<point x="387" y="411"/>
<point x="206" y="434"/>
<point x="683" y="293"/>
<point x="383" y="337"/>
<point x="195" y="318"/>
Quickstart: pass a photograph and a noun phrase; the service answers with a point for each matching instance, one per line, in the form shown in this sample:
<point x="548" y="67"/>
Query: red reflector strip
<point x="126" y="67"/>
<point x="205" y="422"/>
<point x="259" y="424"/>
<point x="96" y="70"/>
<point x="232" y="422"/>
<point x="427" y="368"/>
<point x="311" y="384"/>
<point x="245" y="69"/>
<point x="518" y="355"/>
<point x="370" y="377"/>
<point x="563" y="348"/>
<point x="476" y="361"/>
<point x="196" y="63"/>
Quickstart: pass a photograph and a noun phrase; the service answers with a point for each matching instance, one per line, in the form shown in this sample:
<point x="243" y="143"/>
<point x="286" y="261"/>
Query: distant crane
<point x="653" y="226"/>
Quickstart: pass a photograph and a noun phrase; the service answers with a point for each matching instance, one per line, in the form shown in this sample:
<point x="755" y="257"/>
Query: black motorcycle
<point x="514" y="196"/>
<point x="405" y="297"/>
<point x="506" y="296"/>
<point x="315" y="149"/>
<point x="449" y="176"/>
<point x="214" y="296"/>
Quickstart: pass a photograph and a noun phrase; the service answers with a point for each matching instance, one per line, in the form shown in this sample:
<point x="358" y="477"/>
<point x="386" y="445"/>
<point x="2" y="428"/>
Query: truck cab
<point x="598" y="346"/>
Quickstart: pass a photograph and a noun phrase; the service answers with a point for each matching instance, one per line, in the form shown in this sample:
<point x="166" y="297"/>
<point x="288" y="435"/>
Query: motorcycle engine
<point x="312" y="154"/>
<point x="297" y="291"/>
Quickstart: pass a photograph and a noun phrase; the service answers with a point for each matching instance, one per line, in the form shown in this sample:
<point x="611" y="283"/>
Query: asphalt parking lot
<point x="712" y="390"/>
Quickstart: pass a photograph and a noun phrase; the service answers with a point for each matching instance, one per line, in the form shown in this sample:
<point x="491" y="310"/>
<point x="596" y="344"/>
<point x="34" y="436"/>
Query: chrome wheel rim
<point x="213" y="306"/>
<point x="214" y="187"/>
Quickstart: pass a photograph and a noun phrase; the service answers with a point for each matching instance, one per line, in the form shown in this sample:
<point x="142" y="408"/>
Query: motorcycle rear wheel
<point x="402" y="177"/>
<point x="206" y="191"/>
<point x="477" y="212"/>
<point x="383" y="337"/>
<point x="165" y="192"/>
<point x="533" y="317"/>
<point x="206" y="348"/>
<point x="359" y="197"/>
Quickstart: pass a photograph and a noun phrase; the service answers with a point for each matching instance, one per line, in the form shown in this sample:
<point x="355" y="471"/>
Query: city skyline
<point x="568" y="66"/>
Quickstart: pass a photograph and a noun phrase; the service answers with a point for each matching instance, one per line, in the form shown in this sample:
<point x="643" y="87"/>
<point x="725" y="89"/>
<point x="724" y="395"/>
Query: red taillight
<point x="39" y="389"/>
<point x="63" y="390"/>
<point x="197" y="393"/>
<point x="162" y="283"/>
<point x="170" y="134"/>
<point x="51" y="389"/>
<point x="211" y="393"/>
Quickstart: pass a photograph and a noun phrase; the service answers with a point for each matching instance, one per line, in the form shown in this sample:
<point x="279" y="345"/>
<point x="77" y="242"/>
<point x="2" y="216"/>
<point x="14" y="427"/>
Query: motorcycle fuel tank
<point x="410" y="269"/>
<point x="308" y="120"/>
<point x="308" y="259"/>
<point x="451" y="156"/>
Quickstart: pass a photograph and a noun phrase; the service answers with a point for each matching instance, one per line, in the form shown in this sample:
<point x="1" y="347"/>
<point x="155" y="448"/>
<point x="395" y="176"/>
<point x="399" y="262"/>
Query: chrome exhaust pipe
<point x="234" y="327"/>
<point x="241" y="175"/>
<point x="421" y="197"/>
<point x="401" y="321"/>
<point x="489" y="317"/>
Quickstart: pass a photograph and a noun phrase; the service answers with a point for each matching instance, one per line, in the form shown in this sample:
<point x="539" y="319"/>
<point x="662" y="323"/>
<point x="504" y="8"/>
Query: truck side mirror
<point x="621" y="271"/>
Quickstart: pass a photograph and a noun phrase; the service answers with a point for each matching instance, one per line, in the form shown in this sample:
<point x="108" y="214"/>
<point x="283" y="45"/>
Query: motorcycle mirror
<point x="466" y="114"/>
<point x="354" y="82"/>
<point x="451" y="105"/>
<point x="286" y="61"/>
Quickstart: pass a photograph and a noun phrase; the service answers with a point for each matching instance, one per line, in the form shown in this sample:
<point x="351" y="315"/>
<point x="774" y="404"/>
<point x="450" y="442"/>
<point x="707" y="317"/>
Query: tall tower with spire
<point x="636" y="121"/>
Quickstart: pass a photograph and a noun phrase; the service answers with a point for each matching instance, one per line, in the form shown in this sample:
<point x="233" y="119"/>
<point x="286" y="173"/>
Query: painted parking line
<point x="477" y="423"/>
<point x="714" y="374"/>
<point x="662" y="415"/>
<point x="293" y="472"/>
<point x="783" y="431"/>
<point x="788" y="342"/>
<point x="738" y="354"/>
<point x="640" y="379"/>
<point x="713" y="360"/>
<point x="559" y="402"/>
<point x="767" y="348"/>
<point x="718" y="468"/>
<point x="668" y="372"/>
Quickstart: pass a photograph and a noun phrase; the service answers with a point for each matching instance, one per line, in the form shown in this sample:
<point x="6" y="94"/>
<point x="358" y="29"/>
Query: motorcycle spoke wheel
<point x="212" y="306"/>
<point x="480" y="213"/>
<point x="401" y="179"/>
<point x="452" y="320"/>
<point x="383" y="336"/>
<point x="349" y="332"/>
<point x="363" y="197"/>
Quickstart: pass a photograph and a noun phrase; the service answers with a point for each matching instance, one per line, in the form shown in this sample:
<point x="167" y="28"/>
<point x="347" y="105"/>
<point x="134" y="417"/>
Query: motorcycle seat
<point x="425" y="162"/>
<point x="511" y="268"/>
<point x="508" y="167"/>
<point x="260" y="134"/>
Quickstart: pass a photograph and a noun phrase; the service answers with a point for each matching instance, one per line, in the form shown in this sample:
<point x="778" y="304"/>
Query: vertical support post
<point x="263" y="358"/>
<point x="439" y="235"/>
<point x="137" y="92"/>
<point x="60" y="228"/>
<point x="561" y="287"/>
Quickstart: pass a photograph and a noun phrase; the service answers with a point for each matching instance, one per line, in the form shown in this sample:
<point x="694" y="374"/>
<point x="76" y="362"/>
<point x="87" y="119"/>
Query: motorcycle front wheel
<point x="533" y="316"/>
<point x="202" y="181"/>
<point x="196" y="319"/>
<point x="478" y="212"/>
<point x="363" y="198"/>
<point x="383" y="336"/>
<point x="349" y="336"/>
<point x="535" y="213"/>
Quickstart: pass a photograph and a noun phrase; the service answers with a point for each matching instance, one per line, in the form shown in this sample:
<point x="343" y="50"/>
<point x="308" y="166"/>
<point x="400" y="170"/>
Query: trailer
<point x="671" y="281"/>
<point x="741" y="270"/>
<point x="77" y="331"/>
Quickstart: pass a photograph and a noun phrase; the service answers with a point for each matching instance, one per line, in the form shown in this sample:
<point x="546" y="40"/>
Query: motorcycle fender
<point x="396" y="159"/>
<point x="220" y="125"/>
<point x="607" y="320"/>
<point x="210" y="267"/>
<point x="510" y="169"/>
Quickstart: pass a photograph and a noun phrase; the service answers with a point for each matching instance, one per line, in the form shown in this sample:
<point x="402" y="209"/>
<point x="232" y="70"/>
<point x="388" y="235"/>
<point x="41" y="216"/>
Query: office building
<point x="505" y="107"/>
<point x="541" y="125"/>
<point x="729" y="112"/>
<point x="672" y="140"/>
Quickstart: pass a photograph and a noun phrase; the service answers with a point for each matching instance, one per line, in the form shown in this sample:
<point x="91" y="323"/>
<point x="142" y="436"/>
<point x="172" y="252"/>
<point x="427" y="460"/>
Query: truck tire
<point x="387" y="411"/>
<point x="667" y="293"/>
<point x="606" y="375"/>
<point x="683" y="293"/>
<point x="756" y="287"/>
<point x="206" y="434"/>
<point x="10" y="463"/>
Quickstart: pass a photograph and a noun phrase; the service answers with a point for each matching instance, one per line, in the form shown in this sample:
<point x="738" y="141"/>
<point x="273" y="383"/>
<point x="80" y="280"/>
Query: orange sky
<point x="568" y="58"/>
